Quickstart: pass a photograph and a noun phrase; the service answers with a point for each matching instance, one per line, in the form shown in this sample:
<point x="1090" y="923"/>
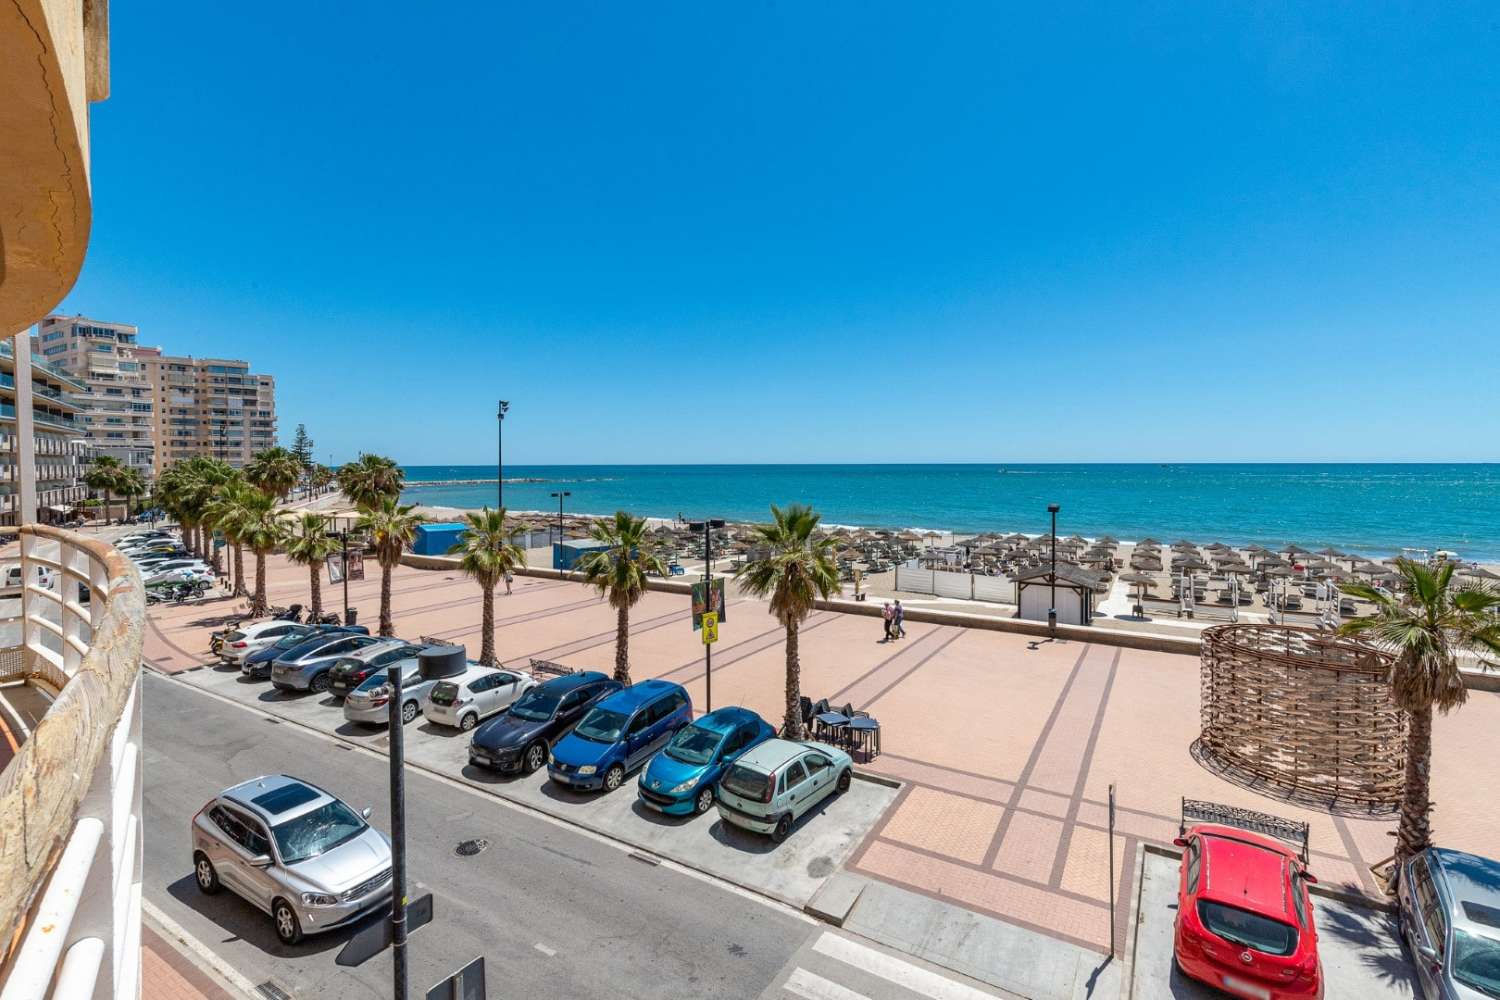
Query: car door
<point x="819" y="776"/>
<point x="260" y="885"/>
<point x="638" y="736"/>
<point x="223" y="834"/>
<point x="1425" y="928"/>
<point x="666" y="720"/>
<point x="570" y="709"/>
<point x="503" y="690"/>
<point x="797" y="788"/>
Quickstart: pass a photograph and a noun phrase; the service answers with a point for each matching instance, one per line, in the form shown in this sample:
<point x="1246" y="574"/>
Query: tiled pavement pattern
<point x="834" y="967"/>
<point x="1007" y="751"/>
<point x="166" y="974"/>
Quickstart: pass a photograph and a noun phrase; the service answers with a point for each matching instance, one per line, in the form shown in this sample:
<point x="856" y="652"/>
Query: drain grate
<point x="469" y="848"/>
<point x="270" y="991"/>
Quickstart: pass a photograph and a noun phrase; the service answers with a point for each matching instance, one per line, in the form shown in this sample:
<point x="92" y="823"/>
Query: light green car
<point x="774" y="784"/>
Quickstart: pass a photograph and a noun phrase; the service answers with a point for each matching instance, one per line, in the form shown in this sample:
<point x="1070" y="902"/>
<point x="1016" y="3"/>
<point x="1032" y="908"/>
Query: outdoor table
<point x="830" y="724"/>
<point x="865" y="732"/>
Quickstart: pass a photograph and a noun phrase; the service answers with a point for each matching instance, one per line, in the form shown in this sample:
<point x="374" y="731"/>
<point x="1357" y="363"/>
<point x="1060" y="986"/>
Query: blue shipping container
<point x="436" y="539"/>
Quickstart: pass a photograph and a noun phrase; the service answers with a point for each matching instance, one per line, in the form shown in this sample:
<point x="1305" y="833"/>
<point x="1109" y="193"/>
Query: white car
<point x="256" y="636"/>
<point x="169" y="565"/>
<point x="181" y="574"/>
<point x="11" y="585"/>
<point x="476" y="694"/>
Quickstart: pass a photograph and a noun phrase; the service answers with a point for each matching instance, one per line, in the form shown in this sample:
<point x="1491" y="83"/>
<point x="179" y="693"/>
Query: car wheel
<point x="320" y="684"/>
<point x="783" y="829"/>
<point x="705" y="801"/>
<point x="613" y="777"/>
<point x="536" y="756"/>
<point x="408" y="711"/>
<point x="844" y="779"/>
<point x="468" y="722"/>
<point x="204" y="874"/>
<point x="288" y="930"/>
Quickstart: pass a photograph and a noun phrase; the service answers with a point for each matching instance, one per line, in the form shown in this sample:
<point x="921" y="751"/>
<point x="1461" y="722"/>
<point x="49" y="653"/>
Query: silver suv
<point x="1449" y="913"/>
<point x="292" y="849"/>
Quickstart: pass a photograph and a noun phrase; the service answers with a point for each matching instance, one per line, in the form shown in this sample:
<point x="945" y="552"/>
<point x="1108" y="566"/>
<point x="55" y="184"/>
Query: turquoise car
<point x="680" y="779"/>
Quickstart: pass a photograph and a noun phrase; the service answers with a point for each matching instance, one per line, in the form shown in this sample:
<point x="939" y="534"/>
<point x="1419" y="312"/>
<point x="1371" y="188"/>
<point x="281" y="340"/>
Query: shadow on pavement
<point x="240" y="920"/>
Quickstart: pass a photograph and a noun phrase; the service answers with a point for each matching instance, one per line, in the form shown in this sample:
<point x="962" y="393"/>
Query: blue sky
<point x="819" y="232"/>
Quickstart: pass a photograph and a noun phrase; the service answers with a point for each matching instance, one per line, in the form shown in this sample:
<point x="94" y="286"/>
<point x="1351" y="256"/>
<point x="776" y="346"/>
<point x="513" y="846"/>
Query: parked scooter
<point x="326" y="618"/>
<point x="291" y="614"/>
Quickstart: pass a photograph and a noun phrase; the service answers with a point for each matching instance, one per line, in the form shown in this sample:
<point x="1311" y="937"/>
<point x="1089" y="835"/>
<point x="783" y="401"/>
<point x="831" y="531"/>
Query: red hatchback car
<point x="1244" y="919"/>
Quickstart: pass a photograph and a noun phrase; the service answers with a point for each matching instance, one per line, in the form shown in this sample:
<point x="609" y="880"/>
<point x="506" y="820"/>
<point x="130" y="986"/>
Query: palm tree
<point x="104" y="477"/>
<point x="619" y="573"/>
<point x="797" y="569"/>
<point x="1426" y="630"/>
<point x="318" y="477"/>
<point x="228" y="514"/>
<point x="370" y="479"/>
<point x="133" y="486"/>
<point x="274" y="471"/>
<point x="488" y="552"/>
<point x="308" y="546"/>
<point x="263" y="531"/>
<point x="392" y="527"/>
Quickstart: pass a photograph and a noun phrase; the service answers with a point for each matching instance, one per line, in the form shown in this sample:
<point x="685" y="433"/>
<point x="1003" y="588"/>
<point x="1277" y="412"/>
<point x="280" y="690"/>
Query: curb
<point x="206" y="959"/>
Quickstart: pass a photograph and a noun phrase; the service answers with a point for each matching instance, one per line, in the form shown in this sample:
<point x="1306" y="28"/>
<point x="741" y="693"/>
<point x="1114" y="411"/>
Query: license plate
<point x="339" y="686"/>
<point x="1245" y="989"/>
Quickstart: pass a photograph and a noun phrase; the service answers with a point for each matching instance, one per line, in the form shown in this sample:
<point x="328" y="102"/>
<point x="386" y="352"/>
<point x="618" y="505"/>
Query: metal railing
<point x="70" y="799"/>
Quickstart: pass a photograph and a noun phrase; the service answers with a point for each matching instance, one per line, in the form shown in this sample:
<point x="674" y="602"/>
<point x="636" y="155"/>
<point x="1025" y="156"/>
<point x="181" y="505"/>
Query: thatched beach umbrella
<point x="1292" y="549"/>
<point x="1478" y="573"/>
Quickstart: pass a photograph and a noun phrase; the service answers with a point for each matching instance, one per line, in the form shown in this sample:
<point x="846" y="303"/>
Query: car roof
<point x="631" y="698"/>
<point x="570" y="682"/>
<point x="722" y="720"/>
<point x="473" y="671"/>
<point x="276" y="797"/>
<point x="1241" y="869"/>
<point x="383" y="644"/>
<point x="773" y="753"/>
<point x="1469" y="879"/>
<point x="317" y="641"/>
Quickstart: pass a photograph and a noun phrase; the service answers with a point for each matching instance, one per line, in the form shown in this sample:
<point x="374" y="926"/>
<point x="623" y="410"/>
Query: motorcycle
<point x="326" y="618"/>
<point x="291" y="614"/>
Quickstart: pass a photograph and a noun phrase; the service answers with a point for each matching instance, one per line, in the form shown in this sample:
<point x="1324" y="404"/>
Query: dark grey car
<point x="1450" y="921"/>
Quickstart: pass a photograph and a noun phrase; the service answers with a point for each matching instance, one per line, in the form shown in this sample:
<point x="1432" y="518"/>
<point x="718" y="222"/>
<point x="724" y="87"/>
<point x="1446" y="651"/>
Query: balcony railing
<point x="70" y="800"/>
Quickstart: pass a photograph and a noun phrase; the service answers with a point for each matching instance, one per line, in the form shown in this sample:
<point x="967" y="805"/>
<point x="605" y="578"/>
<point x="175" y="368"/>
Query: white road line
<point x="878" y="963"/>
<point x="812" y="986"/>
<point x="549" y="952"/>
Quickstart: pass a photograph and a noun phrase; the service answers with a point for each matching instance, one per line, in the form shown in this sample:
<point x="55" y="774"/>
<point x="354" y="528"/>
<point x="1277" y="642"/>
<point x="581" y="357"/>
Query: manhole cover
<point x="469" y="848"/>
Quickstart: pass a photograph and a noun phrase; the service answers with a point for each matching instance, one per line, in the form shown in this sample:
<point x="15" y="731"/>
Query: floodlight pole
<point x="500" y="454"/>
<point x="344" y="539"/>
<point x="1052" y="577"/>
<point x="398" y="833"/>
<point x="559" y="495"/>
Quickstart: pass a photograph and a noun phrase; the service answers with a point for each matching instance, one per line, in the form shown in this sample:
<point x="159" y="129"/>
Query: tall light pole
<point x="500" y="454"/>
<point x="559" y="495"/>
<point x="1052" y="577"/>
<point x="708" y="527"/>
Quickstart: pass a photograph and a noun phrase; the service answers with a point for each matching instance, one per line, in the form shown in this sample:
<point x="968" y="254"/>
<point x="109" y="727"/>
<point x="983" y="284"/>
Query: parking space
<point x="1361" y="954"/>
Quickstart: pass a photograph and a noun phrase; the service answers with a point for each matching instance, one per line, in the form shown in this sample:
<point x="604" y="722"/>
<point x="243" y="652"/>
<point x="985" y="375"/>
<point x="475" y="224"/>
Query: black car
<point x="257" y="666"/>
<point x="350" y="672"/>
<point x="519" y="738"/>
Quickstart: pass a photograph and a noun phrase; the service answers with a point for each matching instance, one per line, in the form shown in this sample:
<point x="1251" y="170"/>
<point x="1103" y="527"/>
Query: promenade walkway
<point x="1006" y="751"/>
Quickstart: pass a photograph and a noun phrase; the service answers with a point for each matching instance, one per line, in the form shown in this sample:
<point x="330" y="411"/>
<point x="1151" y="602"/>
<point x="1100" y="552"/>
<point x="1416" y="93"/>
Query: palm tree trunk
<point x="793" y="684"/>
<point x="622" y="645"/>
<point x="487" y="623"/>
<point x="106" y="506"/>
<point x="240" y="590"/>
<point x="386" y="628"/>
<point x="1414" y="832"/>
<point x="258" y="605"/>
<point x="317" y="589"/>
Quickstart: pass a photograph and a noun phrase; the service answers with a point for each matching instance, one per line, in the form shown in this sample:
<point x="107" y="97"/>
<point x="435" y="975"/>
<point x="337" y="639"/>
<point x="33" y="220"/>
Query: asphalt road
<point x="555" y="912"/>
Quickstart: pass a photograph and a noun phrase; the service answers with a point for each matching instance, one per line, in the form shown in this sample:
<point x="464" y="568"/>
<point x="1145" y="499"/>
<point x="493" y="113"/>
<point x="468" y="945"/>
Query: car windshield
<point x="1476" y="961"/>
<point x="602" y="725"/>
<point x="536" y="705"/>
<point x="291" y="639"/>
<point x="746" y="782"/>
<point x="317" y="832"/>
<point x="694" y="745"/>
<point x="1271" y="937"/>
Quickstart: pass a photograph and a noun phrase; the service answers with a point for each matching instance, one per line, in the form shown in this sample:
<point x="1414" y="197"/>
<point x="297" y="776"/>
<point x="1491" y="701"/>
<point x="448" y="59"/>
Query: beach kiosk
<point x="436" y="539"/>
<point x="566" y="555"/>
<point x="1075" y="594"/>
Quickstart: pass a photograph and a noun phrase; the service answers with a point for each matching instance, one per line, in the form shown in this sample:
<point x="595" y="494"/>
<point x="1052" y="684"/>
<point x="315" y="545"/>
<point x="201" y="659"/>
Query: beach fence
<point x="965" y="586"/>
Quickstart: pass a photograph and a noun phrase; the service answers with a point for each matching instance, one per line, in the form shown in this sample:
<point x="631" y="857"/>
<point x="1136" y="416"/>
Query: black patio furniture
<point x="831" y="727"/>
<point x="864" y="736"/>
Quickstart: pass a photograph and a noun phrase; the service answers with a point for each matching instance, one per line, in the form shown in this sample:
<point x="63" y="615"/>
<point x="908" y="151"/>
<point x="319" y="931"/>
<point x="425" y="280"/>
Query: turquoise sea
<point x="1371" y="509"/>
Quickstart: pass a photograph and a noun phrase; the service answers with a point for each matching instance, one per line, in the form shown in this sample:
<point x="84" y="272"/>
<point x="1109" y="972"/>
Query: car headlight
<point x="319" y="899"/>
<point x="551" y="759"/>
<point x="686" y="786"/>
<point x="587" y="769"/>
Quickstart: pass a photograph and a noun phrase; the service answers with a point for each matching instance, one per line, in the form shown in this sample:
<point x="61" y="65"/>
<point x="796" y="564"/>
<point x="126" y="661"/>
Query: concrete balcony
<point x="70" y="798"/>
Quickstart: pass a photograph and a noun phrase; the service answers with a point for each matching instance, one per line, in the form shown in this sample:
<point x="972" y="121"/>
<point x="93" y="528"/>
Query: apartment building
<point x="208" y="406"/>
<point x="57" y="431"/>
<point x="115" y="407"/>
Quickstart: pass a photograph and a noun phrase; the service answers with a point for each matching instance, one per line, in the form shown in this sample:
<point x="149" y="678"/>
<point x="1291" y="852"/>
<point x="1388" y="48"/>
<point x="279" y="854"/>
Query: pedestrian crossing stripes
<point x="835" y="967"/>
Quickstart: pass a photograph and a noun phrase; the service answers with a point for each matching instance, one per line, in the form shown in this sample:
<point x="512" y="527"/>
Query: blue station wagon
<point x="680" y="779"/>
<point x="619" y="734"/>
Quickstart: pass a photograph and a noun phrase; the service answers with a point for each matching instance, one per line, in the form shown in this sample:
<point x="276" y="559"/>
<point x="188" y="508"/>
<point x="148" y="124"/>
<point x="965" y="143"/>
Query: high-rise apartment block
<point x="116" y="407"/>
<point x="209" y="406"/>
<point x="59" y="450"/>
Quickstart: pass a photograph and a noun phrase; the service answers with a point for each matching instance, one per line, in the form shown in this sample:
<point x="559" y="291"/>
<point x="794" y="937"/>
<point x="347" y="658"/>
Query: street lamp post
<point x="559" y="495"/>
<point x="500" y="454"/>
<point x="708" y="526"/>
<point x="1052" y="577"/>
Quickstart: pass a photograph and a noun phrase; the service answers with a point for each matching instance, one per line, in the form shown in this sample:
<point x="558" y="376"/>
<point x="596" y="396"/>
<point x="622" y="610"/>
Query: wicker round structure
<point x="1304" y="712"/>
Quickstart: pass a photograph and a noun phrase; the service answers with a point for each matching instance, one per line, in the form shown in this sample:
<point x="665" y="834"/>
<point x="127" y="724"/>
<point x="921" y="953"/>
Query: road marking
<point x="878" y="963"/>
<point x="811" y="986"/>
<point x="549" y="952"/>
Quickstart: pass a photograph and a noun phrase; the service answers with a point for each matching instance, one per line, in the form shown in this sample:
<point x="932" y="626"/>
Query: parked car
<point x="184" y="574"/>
<point x="368" y="702"/>
<point x="680" y="779"/>
<point x="306" y="667"/>
<point x="295" y="851"/>
<point x="1449" y="915"/>
<point x="241" y="642"/>
<point x="1244" y="917"/>
<point x="11" y="584"/>
<point x="775" y="783"/>
<point x="519" y="739"/>
<point x="619" y="734"/>
<point x="350" y="672"/>
<point x="257" y="665"/>
<point x="475" y="695"/>
<point x="157" y="572"/>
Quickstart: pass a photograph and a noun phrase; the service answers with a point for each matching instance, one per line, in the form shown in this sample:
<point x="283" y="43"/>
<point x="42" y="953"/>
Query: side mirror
<point x="260" y="861"/>
<point x="1180" y="842"/>
<point x="365" y="812"/>
<point x="1309" y="878"/>
<point x="1427" y="954"/>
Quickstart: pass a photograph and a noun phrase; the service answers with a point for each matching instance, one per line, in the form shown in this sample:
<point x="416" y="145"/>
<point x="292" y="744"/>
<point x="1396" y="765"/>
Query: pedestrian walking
<point x="890" y="618"/>
<point x="508" y="580"/>
<point x="898" y="616"/>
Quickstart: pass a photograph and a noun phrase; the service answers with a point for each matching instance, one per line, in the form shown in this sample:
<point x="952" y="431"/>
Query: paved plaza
<point x="1005" y="748"/>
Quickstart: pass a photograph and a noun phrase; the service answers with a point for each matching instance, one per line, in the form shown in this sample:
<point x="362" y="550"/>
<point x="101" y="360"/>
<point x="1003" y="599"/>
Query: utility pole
<point x="500" y="454"/>
<point x="708" y="526"/>
<point x="1052" y="577"/>
<point x="559" y="495"/>
<point x="398" y="833"/>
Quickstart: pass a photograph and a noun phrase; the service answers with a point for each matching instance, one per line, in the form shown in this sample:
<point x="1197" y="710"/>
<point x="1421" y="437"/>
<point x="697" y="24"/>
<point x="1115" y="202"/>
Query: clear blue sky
<point x="819" y="232"/>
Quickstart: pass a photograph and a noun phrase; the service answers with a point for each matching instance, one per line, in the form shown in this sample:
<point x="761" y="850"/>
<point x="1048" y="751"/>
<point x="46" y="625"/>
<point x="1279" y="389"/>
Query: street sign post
<point x="465" y="984"/>
<point x="710" y="628"/>
<point x="1111" y="869"/>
